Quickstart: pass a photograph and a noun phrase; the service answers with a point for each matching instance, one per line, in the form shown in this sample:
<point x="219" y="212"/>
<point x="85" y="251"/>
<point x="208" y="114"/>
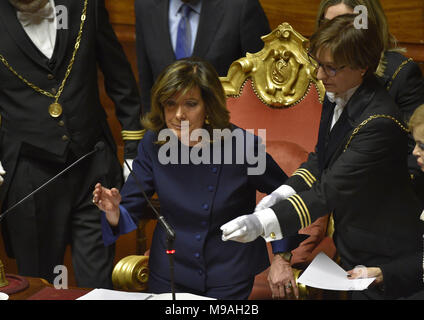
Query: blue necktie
<point x="183" y="47"/>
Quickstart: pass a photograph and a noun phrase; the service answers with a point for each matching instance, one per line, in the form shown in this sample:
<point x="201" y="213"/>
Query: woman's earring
<point x="207" y="120"/>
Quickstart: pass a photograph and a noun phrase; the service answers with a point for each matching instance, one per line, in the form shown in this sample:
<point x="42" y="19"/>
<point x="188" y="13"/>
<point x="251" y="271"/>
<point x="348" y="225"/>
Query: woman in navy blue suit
<point x="206" y="172"/>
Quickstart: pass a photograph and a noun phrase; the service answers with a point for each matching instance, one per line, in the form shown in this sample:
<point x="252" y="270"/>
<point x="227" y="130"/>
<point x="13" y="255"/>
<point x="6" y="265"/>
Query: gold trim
<point x="376" y="116"/>
<point x="3" y="280"/>
<point x="281" y="74"/>
<point x="68" y="70"/>
<point x="306" y="175"/>
<point x="302" y="225"/>
<point x="133" y="135"/>
<point x="396" y="72"/>
<point x="300" y="208"/>
<point x="131" y="273"/>
<point x="305" y="208"/>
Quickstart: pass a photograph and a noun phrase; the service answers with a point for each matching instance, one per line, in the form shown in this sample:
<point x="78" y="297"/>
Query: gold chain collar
<point x="376" y="116"/>
<point x="55" y="108"/>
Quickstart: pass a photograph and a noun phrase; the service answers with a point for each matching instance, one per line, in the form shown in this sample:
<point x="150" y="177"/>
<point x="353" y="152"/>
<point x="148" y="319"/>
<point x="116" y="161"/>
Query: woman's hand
<point x="108" y="201"/>
<point x="364" y="272"/>
<point x="281" y="279"/>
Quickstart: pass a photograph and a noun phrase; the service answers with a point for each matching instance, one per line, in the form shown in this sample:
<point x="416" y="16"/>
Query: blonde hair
<point x="376" y="15"/>
<point x="417" y="118"/>
<point x="181" y="76"/>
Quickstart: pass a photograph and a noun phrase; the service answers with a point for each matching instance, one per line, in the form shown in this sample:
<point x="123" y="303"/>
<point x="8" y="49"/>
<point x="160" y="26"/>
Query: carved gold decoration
<point x="281" y="73"/>
<point x="131" y="273"/>
<point x="3" y="280"/>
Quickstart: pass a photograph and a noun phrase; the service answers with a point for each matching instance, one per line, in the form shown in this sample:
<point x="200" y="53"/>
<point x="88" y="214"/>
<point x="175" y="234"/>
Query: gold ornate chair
<point x="274" y="89"/>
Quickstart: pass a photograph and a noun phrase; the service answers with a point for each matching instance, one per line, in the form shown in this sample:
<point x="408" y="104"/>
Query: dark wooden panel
<point x="406" y="19"/>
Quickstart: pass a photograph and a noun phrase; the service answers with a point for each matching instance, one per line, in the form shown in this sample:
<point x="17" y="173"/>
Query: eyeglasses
<point x="329" y="71"/>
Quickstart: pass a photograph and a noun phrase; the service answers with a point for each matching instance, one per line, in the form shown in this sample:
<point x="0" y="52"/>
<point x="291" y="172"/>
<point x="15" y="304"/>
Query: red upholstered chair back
<point x="291" y="133"/>
<point x="276" y="89"/>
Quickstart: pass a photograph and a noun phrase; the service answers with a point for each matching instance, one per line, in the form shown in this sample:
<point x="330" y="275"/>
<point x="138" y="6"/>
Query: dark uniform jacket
<point x="404" y="81"/>
<point x="359" y="172"/>
<point x="26" y="123"/>
<point x="227" y="30"/>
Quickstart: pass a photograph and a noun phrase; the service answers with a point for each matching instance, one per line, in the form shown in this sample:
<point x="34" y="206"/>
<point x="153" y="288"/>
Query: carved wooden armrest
<point x="131" y="273"/>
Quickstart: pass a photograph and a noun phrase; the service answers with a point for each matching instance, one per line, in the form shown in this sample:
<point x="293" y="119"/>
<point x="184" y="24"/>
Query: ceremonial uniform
<point x="404" y="81"/>
<point x="359" y="172"/>
<point x="50" y="116"/>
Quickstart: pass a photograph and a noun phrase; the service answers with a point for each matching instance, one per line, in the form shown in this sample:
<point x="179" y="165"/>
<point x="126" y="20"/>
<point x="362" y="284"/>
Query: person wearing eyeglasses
<point x="359" y="167"/>
<point x="401" y="77"/>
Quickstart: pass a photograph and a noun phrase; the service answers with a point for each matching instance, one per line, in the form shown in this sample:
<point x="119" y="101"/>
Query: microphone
<point x="98" y="147"/>
<point x="170" y="233"/>
<point x="169" y="230"/>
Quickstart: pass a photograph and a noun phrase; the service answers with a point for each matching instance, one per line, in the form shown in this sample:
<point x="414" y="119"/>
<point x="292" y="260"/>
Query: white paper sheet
<point x="324" y="273"/>
<point x="105" y="294"/>
<point x="179" y="296"/>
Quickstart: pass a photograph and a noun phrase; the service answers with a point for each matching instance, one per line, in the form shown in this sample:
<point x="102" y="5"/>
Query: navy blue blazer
<point x="196" y="200"/>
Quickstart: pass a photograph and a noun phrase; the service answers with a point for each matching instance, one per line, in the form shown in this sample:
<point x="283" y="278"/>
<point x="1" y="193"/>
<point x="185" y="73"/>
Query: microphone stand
<point x="170" y="233"/>
<point x="99" y="146"/>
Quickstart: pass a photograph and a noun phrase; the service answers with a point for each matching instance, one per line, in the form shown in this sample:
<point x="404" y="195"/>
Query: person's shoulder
<point x="394" y="57"/>
<point x="148" y="141"/>
<point x="395" y="62"/>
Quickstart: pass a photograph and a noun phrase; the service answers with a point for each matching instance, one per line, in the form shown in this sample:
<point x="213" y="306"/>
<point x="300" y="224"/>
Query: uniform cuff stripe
<point x="292" y="201"/>
<point x="133" y="135"/>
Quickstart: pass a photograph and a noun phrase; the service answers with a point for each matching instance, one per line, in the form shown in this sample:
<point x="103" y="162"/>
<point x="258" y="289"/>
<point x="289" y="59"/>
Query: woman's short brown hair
<point x="357" y="48"/>
<point x="181" y="76"/>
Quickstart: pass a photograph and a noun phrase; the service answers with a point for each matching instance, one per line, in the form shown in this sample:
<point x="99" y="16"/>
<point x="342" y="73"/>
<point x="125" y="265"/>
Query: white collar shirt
<point x="41" y="27"/>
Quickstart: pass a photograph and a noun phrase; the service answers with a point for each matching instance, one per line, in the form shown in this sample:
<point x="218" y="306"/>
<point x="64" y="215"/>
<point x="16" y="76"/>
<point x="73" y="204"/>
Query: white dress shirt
<point x="341" y="101"/>
<point x="41" y="27"/>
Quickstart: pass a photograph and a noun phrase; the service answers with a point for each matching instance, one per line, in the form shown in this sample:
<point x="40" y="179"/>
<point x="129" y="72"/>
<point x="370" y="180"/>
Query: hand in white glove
<point x="127" y="171"/>
<point x="242" y="229"/>
<point x="279" y="194"/>
<point x="2" y="173"/>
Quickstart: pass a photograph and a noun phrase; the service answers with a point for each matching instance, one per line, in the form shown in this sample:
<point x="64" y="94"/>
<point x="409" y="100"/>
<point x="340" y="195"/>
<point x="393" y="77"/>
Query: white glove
<point x="242" y="229"/>
<point x="2" y="173"/>
<point x="279" y="194"/>
<point x="126" y="171"/>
